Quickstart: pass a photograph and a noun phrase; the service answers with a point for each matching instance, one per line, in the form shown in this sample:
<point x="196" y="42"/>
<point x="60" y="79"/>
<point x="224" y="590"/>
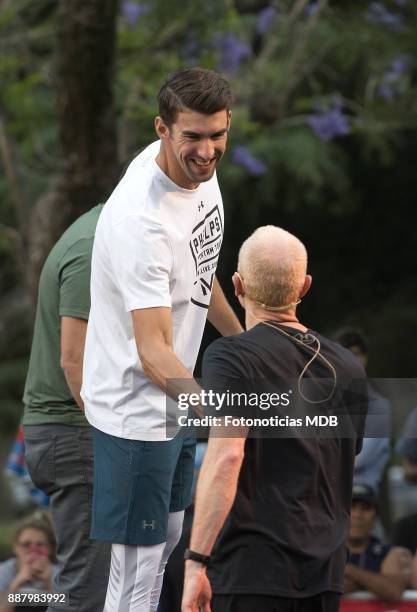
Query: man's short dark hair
<point x="196" y="89"/>
<point x="351" y="336"/>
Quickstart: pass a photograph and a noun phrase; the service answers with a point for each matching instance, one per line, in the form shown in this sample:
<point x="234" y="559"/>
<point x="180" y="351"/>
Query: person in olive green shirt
<point x="57" y="435"/>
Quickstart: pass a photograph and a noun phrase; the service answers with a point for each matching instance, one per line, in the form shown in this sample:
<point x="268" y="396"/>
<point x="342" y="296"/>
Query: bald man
<point x="278" y="508"/>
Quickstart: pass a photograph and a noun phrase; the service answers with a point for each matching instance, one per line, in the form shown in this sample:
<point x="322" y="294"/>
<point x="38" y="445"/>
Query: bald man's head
<point x="273" y="265"/>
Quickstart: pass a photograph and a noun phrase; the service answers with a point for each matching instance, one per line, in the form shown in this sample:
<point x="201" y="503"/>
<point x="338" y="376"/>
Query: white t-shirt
<point x="156" y="244"/>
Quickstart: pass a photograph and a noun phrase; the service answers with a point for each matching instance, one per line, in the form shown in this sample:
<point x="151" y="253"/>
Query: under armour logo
<point x="150" y="525"/>
<point x="200" y="206"/>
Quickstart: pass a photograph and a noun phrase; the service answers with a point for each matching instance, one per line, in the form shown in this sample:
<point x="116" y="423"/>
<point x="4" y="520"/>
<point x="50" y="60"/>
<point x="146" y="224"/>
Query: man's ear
<point x="237" y="284"/>
<point x="306" y="286"/>
<point x="229" y="119"/>
<point x="161" y="128"/>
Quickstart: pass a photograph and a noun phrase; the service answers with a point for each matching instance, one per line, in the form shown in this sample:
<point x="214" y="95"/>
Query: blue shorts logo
<point x="150" y="525"/>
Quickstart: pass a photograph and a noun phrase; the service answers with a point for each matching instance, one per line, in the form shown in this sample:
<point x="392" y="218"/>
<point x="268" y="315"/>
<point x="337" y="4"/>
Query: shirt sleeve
<point x="371" y="461"/>
<point x="74" y="280"/>
<point x="142" y="260"/>
<point x="223" y="373"/>
<point x="7" y="573"/>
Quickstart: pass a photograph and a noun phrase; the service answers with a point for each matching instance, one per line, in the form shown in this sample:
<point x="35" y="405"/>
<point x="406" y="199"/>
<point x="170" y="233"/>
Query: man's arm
<point x="216" y="491"/>
<point x="73" y="332"/>
<point x="220" y="313"/>
<point x="388" y="584"/>
<point x="154" y="341"/>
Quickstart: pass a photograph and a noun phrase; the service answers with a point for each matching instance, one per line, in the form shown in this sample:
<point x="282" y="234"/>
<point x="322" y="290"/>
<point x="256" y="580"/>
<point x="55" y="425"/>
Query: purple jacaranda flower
<point x="191" y="51"/>
<point x="386" y="91"/>
<point x="266" y="19"/>
<point x="131" y="12"/>
<point x="327" y="124"/>
<point x="241" y="156"/>
<point x="232" y="51"/>
<point x="378" y="13"/>
<point x="398" y="67"/>
<point x="389" y="86"/>
<point x="311" y="9"/>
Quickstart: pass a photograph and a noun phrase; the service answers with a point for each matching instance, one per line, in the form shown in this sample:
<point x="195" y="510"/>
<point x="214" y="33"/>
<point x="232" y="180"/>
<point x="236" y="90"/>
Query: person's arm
<point x="349" y="585"/>
<point x="4" y="606"/>
<point x="216" y="491"/>
<point x="154" y="341"/>
<point x="73" y="332"/>
<point x="388" y="584"/>
<point x="42" y="570"/>
<point x="23" y="576"/>
<point x="398" y="562"/>
<point x="74" y="308"/>
<point x="220" y="313"/>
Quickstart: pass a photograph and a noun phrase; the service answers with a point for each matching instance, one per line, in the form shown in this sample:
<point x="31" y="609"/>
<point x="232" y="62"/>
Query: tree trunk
<point x="87" y="125"/>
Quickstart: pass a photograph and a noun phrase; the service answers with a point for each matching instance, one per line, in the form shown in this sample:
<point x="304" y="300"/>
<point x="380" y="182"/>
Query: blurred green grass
<point x="7" y="530"/>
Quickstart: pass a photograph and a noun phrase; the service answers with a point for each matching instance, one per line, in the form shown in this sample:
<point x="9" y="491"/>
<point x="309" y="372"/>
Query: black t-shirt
<point x="287" y="529"/>
<point x="404" y="533"/>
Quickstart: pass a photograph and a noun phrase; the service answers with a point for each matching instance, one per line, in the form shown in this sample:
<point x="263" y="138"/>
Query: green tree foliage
<point x="322" y="140"/>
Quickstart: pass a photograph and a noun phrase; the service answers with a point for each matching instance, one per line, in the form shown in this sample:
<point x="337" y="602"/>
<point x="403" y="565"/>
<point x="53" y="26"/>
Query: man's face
<point x="195" y="143"/>
<point x="362" y="520"/>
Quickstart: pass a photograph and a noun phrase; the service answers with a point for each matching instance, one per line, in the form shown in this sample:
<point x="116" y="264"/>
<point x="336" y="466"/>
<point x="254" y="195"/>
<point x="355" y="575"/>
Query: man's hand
<point x="350" y="585"/>
<point x="24" y="575"/>
<point x="197" y="590"/>
<point x="42" y="569"/>
<point x="398" y="562"/>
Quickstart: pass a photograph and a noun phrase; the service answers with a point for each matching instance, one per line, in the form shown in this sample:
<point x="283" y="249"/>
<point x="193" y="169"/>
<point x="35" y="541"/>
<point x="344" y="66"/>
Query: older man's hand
<point x="197" y="590"/>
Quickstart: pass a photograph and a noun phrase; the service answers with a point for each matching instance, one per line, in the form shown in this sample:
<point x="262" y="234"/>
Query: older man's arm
<point x="216" y="491"/>
<point x="220" y="313"/>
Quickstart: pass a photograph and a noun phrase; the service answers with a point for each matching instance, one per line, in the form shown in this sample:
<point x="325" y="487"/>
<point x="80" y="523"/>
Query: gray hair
<point x="273" y="265"/>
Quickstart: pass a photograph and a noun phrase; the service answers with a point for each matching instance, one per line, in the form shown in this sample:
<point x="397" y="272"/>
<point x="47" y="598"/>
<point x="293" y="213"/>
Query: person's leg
<point x="180" y="499"/>
<point x="322" y="602"/>
<point x="132" y="490"/>
<point x="132" y="574"/>
<point x="330" y="602"/>
<point x="60" y="462"/>
<point x="250" y="603"/>
<point x="174" y="530"/>
<point x="172" y="586"/>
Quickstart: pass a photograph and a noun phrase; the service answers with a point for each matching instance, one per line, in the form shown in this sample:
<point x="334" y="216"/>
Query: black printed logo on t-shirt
<point x="205" y="245"/>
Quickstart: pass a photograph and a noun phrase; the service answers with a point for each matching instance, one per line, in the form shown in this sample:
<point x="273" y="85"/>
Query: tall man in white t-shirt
<point x="153" y="285"/>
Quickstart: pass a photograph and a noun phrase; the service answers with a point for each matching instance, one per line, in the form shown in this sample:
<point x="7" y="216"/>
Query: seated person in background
<point x="373" y="566"/>
<point x="32" y="568"/>
<point x="374" y="456"/>
<point x="405" y="529"/>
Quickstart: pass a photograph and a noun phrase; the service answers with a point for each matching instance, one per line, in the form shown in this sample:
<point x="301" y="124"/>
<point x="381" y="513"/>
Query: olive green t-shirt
<point x="64" y="290"/>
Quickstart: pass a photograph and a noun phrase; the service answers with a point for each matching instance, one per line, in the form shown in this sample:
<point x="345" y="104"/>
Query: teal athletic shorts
<point x="137" y="484"/>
